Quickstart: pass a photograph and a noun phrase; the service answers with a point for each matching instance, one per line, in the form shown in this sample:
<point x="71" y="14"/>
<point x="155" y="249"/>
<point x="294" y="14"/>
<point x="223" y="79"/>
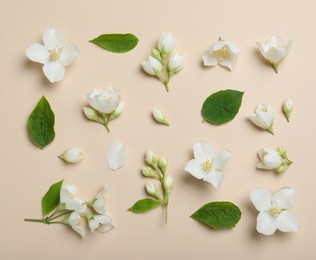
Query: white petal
<point x="266" y="224"/>
<point x="93" y="224"/>
<point x="261" y="199"/>
<point x="54" y="71"/>
<point x="276" y="55"/>
<point x="288" y="222"/>
<point x="147" y="67"/>
<point x="203" y="151"/>
<point x="263" y="166"/>
<point x="209" y="60"/>
<point x="195" y="168"/>
<point x="98" y="205"/>
<point x="284" y="198"/>
<point x="38" y="53"/>
<point x="79" y="230"/>
<point x="103" y="219"/>
<point x="105" y="228"/>
<point x="262" y="49"/>
<point x="52" y="39"/>
<point x="288" y="47"/>
<point x="230" y="61"/>
<point x="73" y="219"/>
<point x="116" y="155"/>
<point x="221" y="158"/>
<point x="272" y="161"/>
<point x="233" y="48"/>
<point x="276" y="42"/>
<point x="68" y="54"/>
<point x="218" y="45"/>
<point x="215" y="178"/>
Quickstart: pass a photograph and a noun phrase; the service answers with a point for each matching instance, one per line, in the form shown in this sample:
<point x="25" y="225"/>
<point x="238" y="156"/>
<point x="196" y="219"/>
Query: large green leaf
<point x="218" y="214"/>
<point x="222" y="106"/>
<point x="119" y="43"/>
<point x="144" y="205"/>
<point x="52" y="197"/>
<point x="41" y="124"/>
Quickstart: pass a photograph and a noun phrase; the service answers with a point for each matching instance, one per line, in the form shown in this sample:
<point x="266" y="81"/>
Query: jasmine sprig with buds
<point x="157" y="169"/>
<point x="60" y="206"/>
<point x="161" y="63"/>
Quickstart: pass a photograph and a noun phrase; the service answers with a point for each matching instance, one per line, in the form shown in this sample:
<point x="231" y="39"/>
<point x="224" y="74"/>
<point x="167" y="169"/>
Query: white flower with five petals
<point x="222" y="52"/>
<point x="208" y="164"/>
<point x="54" y="54"/>
<point x="69" y="201"/>
<point x="263" y="117"/>
<point x="274" y="213"/>
<point x="275" y="50"/>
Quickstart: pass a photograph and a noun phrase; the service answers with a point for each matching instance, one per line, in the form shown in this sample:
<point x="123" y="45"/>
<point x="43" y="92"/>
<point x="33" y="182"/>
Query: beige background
<point x="27" y="172"/>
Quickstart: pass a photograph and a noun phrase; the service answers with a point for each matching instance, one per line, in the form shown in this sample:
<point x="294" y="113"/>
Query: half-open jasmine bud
<point x="160" y="117"/>
<point x="72" y="155"/>
<point x="288" y="108"/>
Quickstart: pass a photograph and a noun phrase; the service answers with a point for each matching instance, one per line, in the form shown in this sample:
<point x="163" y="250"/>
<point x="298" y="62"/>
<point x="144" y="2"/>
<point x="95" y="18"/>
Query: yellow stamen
<point x="222" y="53"/>
<point x="207" y="165"/>
<point x="275" y="211"/>
<point x="54" y="54"/>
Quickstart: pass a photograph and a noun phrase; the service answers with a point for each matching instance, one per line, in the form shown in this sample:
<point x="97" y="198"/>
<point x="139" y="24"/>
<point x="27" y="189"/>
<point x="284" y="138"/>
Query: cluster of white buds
<point x="161" y="63"/>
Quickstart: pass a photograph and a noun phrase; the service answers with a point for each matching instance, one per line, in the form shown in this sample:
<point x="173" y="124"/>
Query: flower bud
<point x="149" y="172"/>
<point x="72" y="155"/>
<point x="156" y="54"/>
<point x="91" y="114"/>
<point x="175" y="63"/>
<point x="287" y="108"/>
<point x="274" y="159"/>
<point x="152" y="66"/>
<point x="160" y="117"/>
<point x="152" y="190"/>
<point x="263" y="117"/>
<point x="162" y="163"/>
<point x="166" y="43"/>
<point x="168" y="184"/>
<point x="151" y="158"/>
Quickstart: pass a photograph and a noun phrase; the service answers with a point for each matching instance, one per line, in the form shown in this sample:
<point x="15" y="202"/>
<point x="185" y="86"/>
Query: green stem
<point x="167" y="85"/>
<point x="35" y="220"/>
<point x="166" y="214"/>
<point x="276" y="67"/>
<point x="60" y="215"/>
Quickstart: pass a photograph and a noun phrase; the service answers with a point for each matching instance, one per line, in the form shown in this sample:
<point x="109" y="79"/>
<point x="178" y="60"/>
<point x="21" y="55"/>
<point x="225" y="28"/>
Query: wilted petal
<point x="116" y="155"/>
<point x="52" y="39"/>
<point x="69" y="54"/>
<point x="261" y="199"/>
<point x="266" y="224"/>
<point x="288" y="222"/>
<point x="284" y="198"/>
<point x="54" y="71"/>
<point x="38" y="53"/>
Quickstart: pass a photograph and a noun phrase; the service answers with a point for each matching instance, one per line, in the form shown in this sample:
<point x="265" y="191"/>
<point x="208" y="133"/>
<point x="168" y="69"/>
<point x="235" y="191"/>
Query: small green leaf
<point x="51" y="199"/>
<point x="222" y="106"/>
<point x="218" y="214"/>
<point x="118" y="43"/>
<point x="41" y="124"/>
<point x="144" y="205"/>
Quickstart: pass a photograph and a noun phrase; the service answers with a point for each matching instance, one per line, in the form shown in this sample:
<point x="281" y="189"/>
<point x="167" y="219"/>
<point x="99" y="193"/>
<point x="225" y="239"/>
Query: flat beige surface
<point x="27" y="172"/>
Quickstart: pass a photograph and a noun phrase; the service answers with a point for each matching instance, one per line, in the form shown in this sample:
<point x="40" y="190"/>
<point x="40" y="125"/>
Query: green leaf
<point x="144" y="205"/>
<point x="118" y="43"/>
<point x="218" y="215"/>
<point x="51" y="199"/>
<point x="222" y="106"/>
<point x="41" y="124"/>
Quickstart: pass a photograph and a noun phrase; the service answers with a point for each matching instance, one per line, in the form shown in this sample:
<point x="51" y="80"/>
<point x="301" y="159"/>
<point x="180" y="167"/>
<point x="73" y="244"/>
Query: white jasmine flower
<point x="175" y="63"/>
<point x="223" y="52"/>
<point x="74" y="220"/>
<point x="160" y="117"/>
<point x="116" y="155"/>
<point x="72" y="155"/>
<point x="166" y="43"/>
<point x="274" y="159"/>
<point x="152" y="66"/>
<point x="208" y="164"/>
<point x="102" y="223"/>
<point x="263" y="117"/>
<point x="104" y="100"/>
<point x="54" y="54"/>
<point x="69" y="201"/>
<point x="288" y="108"/>
<point x="151" y="158"/>
<point x="274" y="213"/>
<point x="275" y="50"/>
